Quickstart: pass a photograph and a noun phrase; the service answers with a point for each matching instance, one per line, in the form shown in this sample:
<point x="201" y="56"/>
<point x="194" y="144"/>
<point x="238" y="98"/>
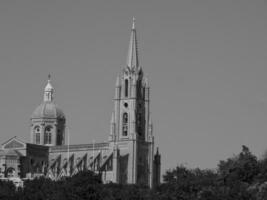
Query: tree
<point x="7" y="190"/>
<point x="241" y="168"/>
<point x="183" y="183"/>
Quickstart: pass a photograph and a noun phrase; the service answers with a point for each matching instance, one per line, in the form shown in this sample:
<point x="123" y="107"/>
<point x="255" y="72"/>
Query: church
<point x="128" y="157"/>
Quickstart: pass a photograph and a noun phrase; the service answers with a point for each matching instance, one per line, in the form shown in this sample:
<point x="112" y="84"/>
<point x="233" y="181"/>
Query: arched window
<point x="126" y="86"/>
<point x="125" y="124"/>
<point x="48" y="135"/>
<point x="37" y="134"/>
<point x="125" y="118"/>
<point x="139" y="89"/>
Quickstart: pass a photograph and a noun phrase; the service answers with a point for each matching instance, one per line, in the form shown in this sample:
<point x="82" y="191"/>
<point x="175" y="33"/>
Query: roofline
<point x="12" y="139"/>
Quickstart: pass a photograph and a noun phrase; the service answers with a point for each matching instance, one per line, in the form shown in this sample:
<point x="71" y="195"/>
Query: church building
<point x="127" y="157"/>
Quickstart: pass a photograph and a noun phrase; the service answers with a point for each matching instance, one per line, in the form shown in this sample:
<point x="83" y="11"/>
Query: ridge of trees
<point x="241" y="177"/>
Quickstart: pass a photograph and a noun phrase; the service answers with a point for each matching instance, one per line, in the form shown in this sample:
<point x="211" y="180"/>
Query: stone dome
<point x="48" y="110"/>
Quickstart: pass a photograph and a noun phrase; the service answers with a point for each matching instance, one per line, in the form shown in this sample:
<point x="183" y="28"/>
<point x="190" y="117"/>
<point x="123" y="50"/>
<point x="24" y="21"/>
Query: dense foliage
<point x="241" y="177"/>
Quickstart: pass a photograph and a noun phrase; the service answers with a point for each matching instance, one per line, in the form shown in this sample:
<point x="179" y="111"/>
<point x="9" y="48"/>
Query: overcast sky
<point x="205" y="59"/>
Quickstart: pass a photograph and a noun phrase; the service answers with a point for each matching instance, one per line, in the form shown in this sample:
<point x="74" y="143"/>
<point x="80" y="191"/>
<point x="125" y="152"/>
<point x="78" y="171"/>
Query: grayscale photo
<point x="133" y="100"/>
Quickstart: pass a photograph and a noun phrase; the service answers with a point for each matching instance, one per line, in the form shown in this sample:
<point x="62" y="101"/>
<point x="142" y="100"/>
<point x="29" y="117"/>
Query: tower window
<point x="48" y="135"/>
<point x="125" y="118"/>
<point x="126" y="85"/>
<point x="125" y="124"/>
<point x="139" y="89"/>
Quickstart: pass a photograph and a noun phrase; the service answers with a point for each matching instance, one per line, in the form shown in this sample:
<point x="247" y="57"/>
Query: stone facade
<point x="128" y="156"/>
<point x="21" y="159"/>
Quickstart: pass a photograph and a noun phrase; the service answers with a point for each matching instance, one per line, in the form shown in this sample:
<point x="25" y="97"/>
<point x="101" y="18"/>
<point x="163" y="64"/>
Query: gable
<point x="13" y="143"/>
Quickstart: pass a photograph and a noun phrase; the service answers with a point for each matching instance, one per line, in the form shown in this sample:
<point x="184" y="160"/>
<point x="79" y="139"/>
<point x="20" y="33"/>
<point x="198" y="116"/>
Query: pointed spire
<point x="112" y="121"/>
<point x="150" y="120"/>
<point x="112" y="128"/>
<point x="132" y="59"/>
<point x="49" y="90"/>
<point x="146" y="82"/>
<point x="150" y="126"/>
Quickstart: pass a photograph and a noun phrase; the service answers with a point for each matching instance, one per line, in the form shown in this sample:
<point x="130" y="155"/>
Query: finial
<point x="150" y="119"/>
<point x="133" y="26"/>
<point x="49" y="90"/>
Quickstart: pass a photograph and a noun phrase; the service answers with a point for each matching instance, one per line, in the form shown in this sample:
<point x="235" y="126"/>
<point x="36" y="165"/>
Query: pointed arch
<point x="125" y="124"/>
<point x="126" y="87"/>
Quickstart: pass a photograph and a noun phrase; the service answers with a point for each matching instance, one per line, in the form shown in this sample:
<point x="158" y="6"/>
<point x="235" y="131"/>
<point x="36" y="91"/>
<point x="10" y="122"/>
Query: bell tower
<point x="130" y="119"/>
<point x="131" y="123"/>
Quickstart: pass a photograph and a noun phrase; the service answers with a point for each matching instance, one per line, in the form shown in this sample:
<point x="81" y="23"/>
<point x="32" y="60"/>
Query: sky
<point x="205" y="60"/>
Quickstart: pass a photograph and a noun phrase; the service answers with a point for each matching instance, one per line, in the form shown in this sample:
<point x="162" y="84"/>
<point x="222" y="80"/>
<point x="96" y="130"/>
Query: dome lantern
<point x="49" y="90"/>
